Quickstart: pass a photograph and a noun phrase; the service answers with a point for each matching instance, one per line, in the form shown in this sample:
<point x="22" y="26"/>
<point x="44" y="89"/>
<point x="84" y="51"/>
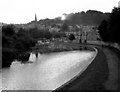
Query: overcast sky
<point x="23" y="11"/>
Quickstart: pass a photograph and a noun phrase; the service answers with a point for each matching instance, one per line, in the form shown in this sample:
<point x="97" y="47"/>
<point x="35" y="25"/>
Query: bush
<point x="71" y="37"/>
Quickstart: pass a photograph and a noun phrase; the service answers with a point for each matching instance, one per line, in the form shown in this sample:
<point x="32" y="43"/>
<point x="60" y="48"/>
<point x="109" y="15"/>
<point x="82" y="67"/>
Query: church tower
<point x="35" y="18"/>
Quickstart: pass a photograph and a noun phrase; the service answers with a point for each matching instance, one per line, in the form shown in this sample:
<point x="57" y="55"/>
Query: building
<point x="85" y="34"/>
<point x="92" y="35"/>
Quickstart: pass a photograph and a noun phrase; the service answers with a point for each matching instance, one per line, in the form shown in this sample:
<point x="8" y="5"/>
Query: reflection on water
<point x="48" y="72"/>
<point x="32" y="57"/>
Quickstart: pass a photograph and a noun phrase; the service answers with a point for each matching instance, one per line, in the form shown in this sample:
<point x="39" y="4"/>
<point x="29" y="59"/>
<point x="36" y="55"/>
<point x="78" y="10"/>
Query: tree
<point x="64" y="27"/>
<point x="8" y="50"/>
<point x="114" y="25"/>
<point x="109" y="30"/>
<point x="103" y="29"/>
<point x="47" y="34"/>
<point x="14" y="44"/>
<point x="71" y="37"/>
<point x="8" y="30"/>
<point x="22" y="32"/>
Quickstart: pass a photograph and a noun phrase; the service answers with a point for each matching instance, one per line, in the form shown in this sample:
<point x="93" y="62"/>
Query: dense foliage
<point x="109" y="29"/>
<point x="90" y="17"/>
<point x="36" y="33"/>
<point x="64" y="27"/>
<point x="14" y="43"/>
<point x="58" y="34"/>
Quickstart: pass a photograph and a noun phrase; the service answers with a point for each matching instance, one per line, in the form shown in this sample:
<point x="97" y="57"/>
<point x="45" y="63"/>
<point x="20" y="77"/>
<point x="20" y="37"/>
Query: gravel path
<point x="112" y="59"/>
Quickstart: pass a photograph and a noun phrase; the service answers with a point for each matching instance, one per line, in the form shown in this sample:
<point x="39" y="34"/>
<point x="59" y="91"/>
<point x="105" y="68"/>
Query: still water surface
<point x="47" y="72"/>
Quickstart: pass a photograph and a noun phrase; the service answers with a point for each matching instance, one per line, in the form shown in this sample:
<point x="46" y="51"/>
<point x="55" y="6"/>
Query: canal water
<point x="47" y="72"/>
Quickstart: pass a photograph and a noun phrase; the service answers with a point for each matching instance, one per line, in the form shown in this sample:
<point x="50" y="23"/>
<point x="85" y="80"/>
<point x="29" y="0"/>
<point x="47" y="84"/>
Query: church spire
<point x="35" y="18"/>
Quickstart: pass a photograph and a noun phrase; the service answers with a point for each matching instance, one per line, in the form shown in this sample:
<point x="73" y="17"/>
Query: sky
<point x="23" y="11"/>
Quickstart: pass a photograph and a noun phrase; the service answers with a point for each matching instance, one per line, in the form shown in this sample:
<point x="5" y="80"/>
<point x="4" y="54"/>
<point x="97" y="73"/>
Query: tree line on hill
<point x="90" y="17"/>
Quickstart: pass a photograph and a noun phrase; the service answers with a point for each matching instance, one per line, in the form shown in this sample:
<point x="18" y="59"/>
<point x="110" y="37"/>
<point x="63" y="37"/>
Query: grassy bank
<point x="59" y="47"/>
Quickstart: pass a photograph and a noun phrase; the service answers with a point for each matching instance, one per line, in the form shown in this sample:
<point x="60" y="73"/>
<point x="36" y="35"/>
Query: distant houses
<point x="84" y="34"/>
<point x="54" y="29"/>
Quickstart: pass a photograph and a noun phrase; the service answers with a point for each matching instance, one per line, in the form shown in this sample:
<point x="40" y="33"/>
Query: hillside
<point x="90" y="17"/>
